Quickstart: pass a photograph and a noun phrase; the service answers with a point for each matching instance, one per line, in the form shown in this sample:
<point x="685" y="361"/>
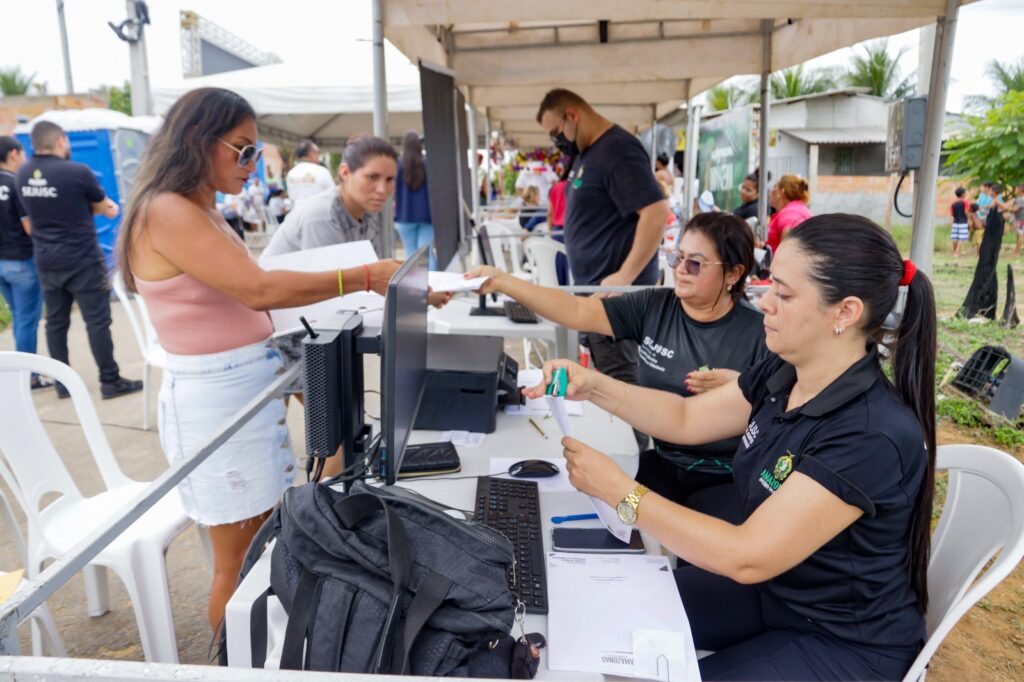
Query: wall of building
<point x="867" y="159"/>
<point x="871" y="197"/>
<point x="31" y="106"/>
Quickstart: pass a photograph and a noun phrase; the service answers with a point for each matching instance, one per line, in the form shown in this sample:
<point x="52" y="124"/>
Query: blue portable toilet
<point x="111" y="144"/>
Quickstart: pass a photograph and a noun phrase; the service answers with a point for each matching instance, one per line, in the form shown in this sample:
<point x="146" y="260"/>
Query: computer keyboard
<point x="513" y="509"/>
<point x="517" y="312"/>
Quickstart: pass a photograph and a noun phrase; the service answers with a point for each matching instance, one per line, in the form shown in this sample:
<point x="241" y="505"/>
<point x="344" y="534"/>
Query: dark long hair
<point x="852" y="256"/>
<point x="179" y="158"/>
<point x="414" y="174"/>
<point x="734" y="241"/>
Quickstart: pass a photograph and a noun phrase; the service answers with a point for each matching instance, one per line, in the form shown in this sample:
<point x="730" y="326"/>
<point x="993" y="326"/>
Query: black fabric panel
<point x="437" y="92"/>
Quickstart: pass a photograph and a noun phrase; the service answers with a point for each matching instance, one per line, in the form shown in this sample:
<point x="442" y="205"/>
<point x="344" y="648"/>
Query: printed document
<point x="598" y="602"/>
<point x="453" y="281"/>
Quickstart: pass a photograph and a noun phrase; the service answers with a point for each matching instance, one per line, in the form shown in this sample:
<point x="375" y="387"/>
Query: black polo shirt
<point x="609" y="182"/>
<point x="14" y="243"/>
<point x="864" y="445"/>
<point x="672" y="344"/>
<point x="58" y="195"/>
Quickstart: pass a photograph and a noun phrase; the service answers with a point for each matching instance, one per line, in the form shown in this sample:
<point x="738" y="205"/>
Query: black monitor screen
<point x="403" y="359"/>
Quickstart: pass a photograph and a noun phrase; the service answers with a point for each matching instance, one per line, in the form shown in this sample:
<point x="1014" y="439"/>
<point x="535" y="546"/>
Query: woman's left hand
<point x="439" y="299"/>
<point x="595" y="473"/>
<point x="703" y="381"/>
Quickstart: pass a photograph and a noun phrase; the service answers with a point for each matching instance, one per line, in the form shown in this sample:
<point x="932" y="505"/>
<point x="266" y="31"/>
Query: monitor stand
<point x="483" y="311"/>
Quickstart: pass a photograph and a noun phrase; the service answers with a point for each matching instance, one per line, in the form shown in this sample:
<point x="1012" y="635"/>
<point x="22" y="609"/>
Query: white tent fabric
<point x="292" y="103"/>
<point x="632" y="59"/>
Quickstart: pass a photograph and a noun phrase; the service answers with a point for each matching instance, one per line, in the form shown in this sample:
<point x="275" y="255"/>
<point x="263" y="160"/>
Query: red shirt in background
<point x="556" y="200"/>
<point x="788" y="217"/>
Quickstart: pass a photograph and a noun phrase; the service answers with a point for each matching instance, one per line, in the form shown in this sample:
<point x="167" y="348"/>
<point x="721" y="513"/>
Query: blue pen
<point x="573" y="517"/>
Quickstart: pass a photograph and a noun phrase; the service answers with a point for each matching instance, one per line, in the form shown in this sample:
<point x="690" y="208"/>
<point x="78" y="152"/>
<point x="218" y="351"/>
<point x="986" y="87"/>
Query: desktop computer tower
<point x="465" y="375"/>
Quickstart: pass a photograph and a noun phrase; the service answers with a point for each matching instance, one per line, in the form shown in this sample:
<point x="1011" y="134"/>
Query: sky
<point x="332" y="38"/>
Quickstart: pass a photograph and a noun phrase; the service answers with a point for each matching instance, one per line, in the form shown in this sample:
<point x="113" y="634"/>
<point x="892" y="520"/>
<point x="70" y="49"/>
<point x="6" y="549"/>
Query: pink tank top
<point x="191" y="318"/>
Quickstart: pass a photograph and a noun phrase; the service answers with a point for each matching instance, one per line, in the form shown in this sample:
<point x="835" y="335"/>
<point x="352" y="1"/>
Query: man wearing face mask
<point x="61" y="197"/>
<point x="615" y="212"/>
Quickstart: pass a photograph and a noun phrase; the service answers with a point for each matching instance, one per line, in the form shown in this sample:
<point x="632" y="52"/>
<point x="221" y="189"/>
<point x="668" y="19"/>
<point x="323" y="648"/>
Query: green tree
<point x="727" y="96"/>
<point x="991" y="149"/>
<point x="796" y="81"/>
<point x="120" y="99"/>
<point x="879" y="71"/>
<point x="1008" y="77"/>
<point x="14" y="82"/>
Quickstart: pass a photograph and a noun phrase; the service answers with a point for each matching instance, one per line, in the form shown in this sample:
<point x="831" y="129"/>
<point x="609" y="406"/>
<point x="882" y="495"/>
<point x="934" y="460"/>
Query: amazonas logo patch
<point x="771" y="480"/>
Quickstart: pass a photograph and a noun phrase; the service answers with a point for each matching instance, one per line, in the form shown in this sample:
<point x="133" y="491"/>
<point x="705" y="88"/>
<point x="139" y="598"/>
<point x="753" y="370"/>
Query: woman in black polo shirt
<point x="692" y="337"/>
<point x="826" y="578"/>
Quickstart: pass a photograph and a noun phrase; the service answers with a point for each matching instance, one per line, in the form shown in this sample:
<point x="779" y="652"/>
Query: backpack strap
<point x="258" y="629"/>
<point x="299" y="621"/>
<point x="428" y="598"/>
<point x="351" y="510"/>
<point x="267" y="532"/>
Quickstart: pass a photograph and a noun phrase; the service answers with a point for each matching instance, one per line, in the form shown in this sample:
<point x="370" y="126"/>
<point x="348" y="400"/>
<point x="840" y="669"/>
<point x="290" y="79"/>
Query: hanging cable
<point x="896" y="197"/>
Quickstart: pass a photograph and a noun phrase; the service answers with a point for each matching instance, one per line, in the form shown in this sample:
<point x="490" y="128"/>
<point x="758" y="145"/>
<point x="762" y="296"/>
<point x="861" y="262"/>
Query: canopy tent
<point x="293" y="103"/>
<point x="637" y="61"/>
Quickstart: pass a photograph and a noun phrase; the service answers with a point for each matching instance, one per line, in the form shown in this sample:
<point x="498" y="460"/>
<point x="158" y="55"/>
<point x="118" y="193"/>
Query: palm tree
<point x="879" y="71"/>
<point x="1007" y="77"/>
<point x="726" y="96"/>
<point x="795" y="82"/>
<point x="14" y="82"/>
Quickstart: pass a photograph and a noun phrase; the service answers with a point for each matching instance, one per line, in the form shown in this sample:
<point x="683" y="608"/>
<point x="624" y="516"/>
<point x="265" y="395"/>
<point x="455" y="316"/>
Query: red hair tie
<point x="909" y="270"/>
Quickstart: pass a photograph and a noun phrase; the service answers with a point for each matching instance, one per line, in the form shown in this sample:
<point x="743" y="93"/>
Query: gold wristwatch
<point x="628" y="508"/>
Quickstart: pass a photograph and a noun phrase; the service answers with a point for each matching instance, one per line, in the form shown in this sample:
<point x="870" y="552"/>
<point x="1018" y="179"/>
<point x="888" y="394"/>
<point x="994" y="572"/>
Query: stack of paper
<point x="620" y="615"/>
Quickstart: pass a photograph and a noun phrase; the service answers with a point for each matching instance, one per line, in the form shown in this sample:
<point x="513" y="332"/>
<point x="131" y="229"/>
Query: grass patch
<point x="5" y="315"/>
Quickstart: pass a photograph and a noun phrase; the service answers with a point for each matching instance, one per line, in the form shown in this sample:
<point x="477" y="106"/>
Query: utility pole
<point x="380" y="122"/>
<point x="64" y="47"/>
<point x="132" y="31"/>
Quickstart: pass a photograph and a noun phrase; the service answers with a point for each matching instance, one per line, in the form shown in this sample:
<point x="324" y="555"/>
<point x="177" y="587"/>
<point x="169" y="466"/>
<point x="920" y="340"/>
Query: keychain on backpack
<point x="526" y="652"/>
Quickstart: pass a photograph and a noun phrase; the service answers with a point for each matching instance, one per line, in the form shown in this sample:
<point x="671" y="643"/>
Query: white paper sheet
<point x="464" y="439"/>
<point x="453" y="281"/>
<point x="553" y="484"/>
<point x="597" y="603"/>
<point x="334" y="257"/>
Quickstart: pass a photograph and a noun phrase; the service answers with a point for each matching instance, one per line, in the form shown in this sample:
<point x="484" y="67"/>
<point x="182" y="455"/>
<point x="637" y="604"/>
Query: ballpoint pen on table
<point x="573" y="517"/>
<point x="537" y="426"/>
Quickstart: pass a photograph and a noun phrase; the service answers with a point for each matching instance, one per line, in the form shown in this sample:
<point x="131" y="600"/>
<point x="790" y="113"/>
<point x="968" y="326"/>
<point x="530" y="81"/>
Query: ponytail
<point x="913" y="365"/>
<point x="852" y="256"/>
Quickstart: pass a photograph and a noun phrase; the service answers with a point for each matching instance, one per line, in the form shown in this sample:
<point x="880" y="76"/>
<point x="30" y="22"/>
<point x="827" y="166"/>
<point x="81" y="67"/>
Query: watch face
<point x="627" y="514"/>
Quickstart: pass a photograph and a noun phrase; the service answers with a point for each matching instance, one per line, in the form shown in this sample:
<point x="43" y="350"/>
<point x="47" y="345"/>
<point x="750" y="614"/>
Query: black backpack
<point x="381" y="580"/>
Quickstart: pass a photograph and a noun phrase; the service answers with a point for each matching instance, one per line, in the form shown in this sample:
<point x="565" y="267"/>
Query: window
<point x="844" y="160"/>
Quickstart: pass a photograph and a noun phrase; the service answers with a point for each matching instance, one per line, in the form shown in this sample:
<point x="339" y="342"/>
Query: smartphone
<point x="594" y="540"/>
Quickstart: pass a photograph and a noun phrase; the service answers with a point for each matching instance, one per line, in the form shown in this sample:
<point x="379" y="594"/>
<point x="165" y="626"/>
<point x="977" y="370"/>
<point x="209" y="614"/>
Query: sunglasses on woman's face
<point x="250" y="153"/>
<point x="692" y="265"/>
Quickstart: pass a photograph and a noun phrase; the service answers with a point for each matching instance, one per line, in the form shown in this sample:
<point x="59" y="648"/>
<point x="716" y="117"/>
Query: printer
<point x="468" y="379"/>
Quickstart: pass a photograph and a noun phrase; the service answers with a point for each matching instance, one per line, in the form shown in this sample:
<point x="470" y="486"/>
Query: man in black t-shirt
<point x="60" y="197"/>
<point x="615" y="212"/>
<point x="19" y="283"/>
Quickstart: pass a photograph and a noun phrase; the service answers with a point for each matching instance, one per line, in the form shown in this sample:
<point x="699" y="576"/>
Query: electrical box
<point x="904" y="140"/>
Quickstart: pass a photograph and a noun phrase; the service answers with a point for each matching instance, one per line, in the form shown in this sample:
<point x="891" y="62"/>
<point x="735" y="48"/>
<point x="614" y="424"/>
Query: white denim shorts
<point x="249" y="473"/>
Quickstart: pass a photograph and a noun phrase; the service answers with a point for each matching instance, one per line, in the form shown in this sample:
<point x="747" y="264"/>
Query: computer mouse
<point x="533" y="468"/>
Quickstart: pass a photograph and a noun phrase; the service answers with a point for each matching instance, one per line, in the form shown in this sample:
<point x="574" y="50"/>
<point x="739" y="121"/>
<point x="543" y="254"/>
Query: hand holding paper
<point x="453" y="281"/>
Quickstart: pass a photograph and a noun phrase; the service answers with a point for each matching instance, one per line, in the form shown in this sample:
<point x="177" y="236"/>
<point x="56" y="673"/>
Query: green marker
<point x="559" y="382"/>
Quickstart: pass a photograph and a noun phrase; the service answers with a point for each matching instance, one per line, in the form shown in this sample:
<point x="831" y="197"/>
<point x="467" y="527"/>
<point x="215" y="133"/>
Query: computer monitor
<point x="483" y="241"/>
<point x="403" y="351"/>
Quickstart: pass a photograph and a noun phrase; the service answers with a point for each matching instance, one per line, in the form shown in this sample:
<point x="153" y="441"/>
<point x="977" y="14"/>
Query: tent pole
<point x="767" y="26"/>
<point x="690" y="158"/>
<point x="922" y="241"/>
<point x="487" y="155"/>
<point x="64" y="47"/>
<point x="380" y="122"/>
<point x="654" y="136"/>
<point x="474" y="167"/>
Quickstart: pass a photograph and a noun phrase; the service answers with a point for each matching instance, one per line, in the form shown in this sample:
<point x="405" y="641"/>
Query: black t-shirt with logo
<point x="860" y="442"/>
<point x="609" y="182"/>
<point x="672" y="344"/>
<point x="58" y="195"/>
<point x="14" y="243"/>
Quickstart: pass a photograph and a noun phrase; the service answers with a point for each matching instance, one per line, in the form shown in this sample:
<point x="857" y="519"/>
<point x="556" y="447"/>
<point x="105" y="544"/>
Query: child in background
<point x="959" y="232"/>
<point x="1018" y="218"/>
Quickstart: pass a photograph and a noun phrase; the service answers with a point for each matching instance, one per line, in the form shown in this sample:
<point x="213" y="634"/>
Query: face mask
<point x="564" y="144"/>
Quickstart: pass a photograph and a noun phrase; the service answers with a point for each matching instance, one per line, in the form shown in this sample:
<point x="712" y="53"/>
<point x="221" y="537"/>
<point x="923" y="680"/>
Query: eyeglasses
<point x="250" y="153"/>
<point x="692" y="265"/>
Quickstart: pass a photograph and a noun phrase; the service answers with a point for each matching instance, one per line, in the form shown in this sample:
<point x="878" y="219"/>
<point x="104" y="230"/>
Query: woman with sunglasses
<point x="825" y="575"/>
<point x="207" y="299"/>
<point x="693" y="337"/>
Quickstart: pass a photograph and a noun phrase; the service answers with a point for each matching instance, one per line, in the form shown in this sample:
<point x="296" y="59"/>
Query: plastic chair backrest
<point x="983" y="515"/>
<point x="542" y="254"/>
<point x="503" y="236"/>
<point x="34" y="469"/>
<point x="138" y="316"/>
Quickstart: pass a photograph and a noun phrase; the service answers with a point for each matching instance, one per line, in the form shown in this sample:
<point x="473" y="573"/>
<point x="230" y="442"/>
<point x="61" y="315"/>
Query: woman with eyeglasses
<point x="207" y="299"/>
<point x="825" y="576"/>
<point x="693" y="337"/>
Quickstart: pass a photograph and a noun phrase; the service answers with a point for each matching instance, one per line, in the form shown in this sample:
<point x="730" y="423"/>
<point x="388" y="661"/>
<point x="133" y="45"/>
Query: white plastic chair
<point x="32" y="469"/>
<point x="983" y="515"/>
<point x="542" y="254"/>
<point x="504" y="237"/>
<point x="153" y="354"/>
<point x="40" y="616"/>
